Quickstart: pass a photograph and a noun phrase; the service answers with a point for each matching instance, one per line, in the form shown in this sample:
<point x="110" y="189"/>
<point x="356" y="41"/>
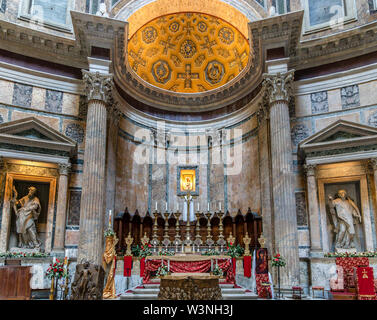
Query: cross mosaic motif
<point x="167" y="45"/>
<point x="208" y="45"/>
<point x="238" y="60"/>
<point x="188" y="76"/>
<point x="138" y="60"/>
<point x="188" y="28"/>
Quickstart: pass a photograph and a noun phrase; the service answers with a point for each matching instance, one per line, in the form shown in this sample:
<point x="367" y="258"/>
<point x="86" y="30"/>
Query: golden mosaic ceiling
<point x="188" y="52"/>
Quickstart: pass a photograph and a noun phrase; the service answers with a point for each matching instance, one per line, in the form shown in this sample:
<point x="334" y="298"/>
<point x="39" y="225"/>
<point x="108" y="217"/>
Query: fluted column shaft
<point x="314" y="218"/>
<point x="278" y="89"/>
<point x="373" y="165"/>
<point x="93" y="179"/>
<point x="61" y="209"/>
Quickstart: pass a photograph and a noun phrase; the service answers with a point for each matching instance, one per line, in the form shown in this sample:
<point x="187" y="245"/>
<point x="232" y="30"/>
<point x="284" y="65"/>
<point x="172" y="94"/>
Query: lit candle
<point x="109" y="218"/>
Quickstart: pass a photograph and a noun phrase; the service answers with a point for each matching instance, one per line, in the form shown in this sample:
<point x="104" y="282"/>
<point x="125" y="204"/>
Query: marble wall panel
<point x="301" y="209"/>
<point x="70" y="104"/>
<point x="54" y="101"/>
<point x="75" y="180"/>
<point x="38" y="100"/>
<point x="244" y="188"/>
<point x="370" y="117"/>
<point x="368" y="93"/>
<point x="72" y="237"/>
<point x="350" y="96"/>
<point x="319" y="102"/>
<point x="51" y="121"/>
<point x="303" y="105"/>
<point x="324" y="122"/>
<point x="299" y="131"/>
<point x="76" y="131"/>
<point x="334" y="99"/>
<point x="6" y="91"/>
<point x="22" y="95"/>
<point x="74" y="208"/>
<point x="3" y="115"/>
<point x="83" y="106"/>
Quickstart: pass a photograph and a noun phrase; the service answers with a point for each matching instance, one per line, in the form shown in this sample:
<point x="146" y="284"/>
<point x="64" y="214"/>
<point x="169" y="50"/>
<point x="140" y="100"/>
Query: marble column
<point x="373" y="166"/>
<point x="265" y="173"/>
<point x="313" y="204"/>
<point x="111" y="156"/>
<point x="278" y="88"/>
<point x="61" y="208"/>
<point x="98" y="87"/>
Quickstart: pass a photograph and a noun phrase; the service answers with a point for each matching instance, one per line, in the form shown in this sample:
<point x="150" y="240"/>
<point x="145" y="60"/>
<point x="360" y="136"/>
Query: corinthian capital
<point x="64" y="168"/>
<point x="373" y="163"/>
<point x="310" y="169"/>
<point x="98" y="86"/>
<point x="278" y="87"/>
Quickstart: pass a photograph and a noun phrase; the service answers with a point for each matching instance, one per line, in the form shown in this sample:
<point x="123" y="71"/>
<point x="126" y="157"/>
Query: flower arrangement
<point x="162" y="271"/>
<point x="56" y="270"/>
<point x="24" y="255"/>
<point x="142" y="251"/>
<point x="165" y="252"/>
<point x="109" y="232"/>
<point x="217" y="271"/>
<point x="368" y="254"/>
<point x="234" y="250"/>
<point x="278" y="261"/>
<point x="210" y="252"/>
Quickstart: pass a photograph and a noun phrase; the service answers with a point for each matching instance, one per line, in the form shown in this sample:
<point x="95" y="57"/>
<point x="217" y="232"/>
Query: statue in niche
<point x="344" y="215"/>
<point x="27" y="211"/>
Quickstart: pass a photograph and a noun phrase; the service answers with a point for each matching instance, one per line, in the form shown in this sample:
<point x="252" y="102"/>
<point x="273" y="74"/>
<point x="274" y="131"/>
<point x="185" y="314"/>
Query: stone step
<point x="243" y="296"/>
<point x="131" y="296"/>
<point x="146" y="291"/>
<point x="157" y="285"/>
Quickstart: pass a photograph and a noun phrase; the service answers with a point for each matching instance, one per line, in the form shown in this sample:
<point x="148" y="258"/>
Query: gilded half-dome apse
<point x="188" y="52"/>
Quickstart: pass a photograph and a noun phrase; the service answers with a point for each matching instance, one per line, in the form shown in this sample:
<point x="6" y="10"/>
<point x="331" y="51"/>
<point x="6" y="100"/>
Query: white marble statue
<point x="345" y="215"/>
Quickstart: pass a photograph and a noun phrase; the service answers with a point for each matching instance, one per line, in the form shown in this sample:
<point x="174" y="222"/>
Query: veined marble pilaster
<point x="98" y="87"/>
<point x="112" y="142"/>
<point x="314" y="218"/>
<point x="278" y="88"/>
<point x="61" y="210"/>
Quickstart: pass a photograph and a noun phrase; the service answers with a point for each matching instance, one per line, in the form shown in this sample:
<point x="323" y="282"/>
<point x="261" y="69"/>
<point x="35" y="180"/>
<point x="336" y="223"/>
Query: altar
<point x="186" y="264"/>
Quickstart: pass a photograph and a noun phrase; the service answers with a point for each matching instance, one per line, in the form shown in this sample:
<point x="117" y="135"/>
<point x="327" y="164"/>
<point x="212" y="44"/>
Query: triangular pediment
<point x="33" y="133"/>
<point x="340" y="135"/>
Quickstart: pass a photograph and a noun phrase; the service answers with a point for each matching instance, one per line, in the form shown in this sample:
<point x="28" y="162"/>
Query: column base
<point x="58" y="253"/>
<point x="88" y="282"/>
<point x="316" y="254"/>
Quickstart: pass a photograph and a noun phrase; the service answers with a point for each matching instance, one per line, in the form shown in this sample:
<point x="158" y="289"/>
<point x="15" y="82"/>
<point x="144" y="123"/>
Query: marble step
<point x="228" y="296"/>
<point x="157" y="285"/>
<point x="240" y="296"/>
<point x="141" y="296"/>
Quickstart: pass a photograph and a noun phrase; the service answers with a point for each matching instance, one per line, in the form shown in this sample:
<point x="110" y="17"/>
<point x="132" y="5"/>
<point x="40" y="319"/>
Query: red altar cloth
<point x="261" y="290"/>
<point x="127" y="266"/>
<point x="348" y="263"/>
<point x="247" y="266"/>
<point x="365" y="283"/>
<point x="202" y="266"/>
<point x="142" y="267"/>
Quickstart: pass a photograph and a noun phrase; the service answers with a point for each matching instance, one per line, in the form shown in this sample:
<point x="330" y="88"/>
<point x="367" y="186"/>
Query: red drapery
<point x="189" y="267"/>
<point x="365" y="283"/>
<point x="234" y="264"/>
<point x="127" y="266"/>
<point x="348" y="263"/>
<point x="142" y="267"/>
<point x="247" y="266"/>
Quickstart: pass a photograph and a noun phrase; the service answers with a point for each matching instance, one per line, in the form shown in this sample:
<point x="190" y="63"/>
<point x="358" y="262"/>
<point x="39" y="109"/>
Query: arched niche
<point x="148" y="225"/>
<point x="227" y="224"/>
<point x="135" y="227"/>
<point x="240" y="228"/>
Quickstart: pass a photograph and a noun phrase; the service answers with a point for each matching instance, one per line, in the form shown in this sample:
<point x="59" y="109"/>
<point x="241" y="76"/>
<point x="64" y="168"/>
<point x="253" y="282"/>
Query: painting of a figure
<point x="261" y="266"/>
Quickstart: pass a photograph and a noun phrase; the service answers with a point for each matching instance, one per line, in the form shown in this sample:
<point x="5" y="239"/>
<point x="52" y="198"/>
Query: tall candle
<point x="208" y="206"/>
<point x="156" y="205"/>
<point x="220" y="205"/>
<point x="166" y="205"/>
<point x="109" y="218"/>
<point x="198" y="207"/>
<point x="177" y="206"/>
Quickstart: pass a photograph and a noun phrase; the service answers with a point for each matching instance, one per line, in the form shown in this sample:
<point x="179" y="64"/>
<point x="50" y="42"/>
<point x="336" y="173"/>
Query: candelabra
<point x="221" y="242"/>
<point x="209" y="240"/>
<point x="198" y="239"/>
<point x="155" y="241"/>
<point x="166" y="241"/>
<point x="177" y="240"/>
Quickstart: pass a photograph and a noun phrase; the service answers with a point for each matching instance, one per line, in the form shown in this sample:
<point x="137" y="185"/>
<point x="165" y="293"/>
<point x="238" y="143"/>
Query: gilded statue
<point x="27" y="211"/>
<point x="107" y="258"/>
<point x="345" y="214"/>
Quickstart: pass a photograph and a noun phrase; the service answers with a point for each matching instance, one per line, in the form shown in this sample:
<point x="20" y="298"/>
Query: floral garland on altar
<point x="367" y="254"/>
<point x="24" y="255"/>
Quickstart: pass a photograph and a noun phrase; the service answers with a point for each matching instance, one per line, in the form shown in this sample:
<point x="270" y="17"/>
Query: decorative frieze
<point x="299" y="132"/>
<point x="372" y="120"/>
<point x="75" y="132"/>
<point x="279" y="86"/>
<point x="98" y="86"/>
<point x="22" y="95"/>
<point x="54" y="101"/>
